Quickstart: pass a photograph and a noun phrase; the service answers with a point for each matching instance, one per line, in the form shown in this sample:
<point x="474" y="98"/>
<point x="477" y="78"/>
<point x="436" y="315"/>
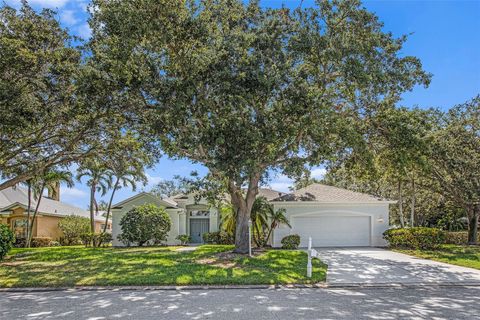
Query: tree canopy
<point x="56" y="106"/>
<point x="245" y="90"/>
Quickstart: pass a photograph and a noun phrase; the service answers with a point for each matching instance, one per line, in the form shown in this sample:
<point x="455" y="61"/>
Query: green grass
<point x="78" y="266"/>
<point x="465" y="256"/>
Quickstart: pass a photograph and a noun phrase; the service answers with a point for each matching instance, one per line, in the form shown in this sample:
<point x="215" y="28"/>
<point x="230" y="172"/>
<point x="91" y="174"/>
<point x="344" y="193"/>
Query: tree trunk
<point x="115" y="186"/>
<point x="272" y="226"/>
<point x="29" y="239"/>
<point x="400" y="204"/>
<point x="14" y="181"/>
<point x="243" y="206"/>
<point x="29" y="208"/>
<point x="412" y="211"/>
<point x="92" y="204"/>
<point x="473" y="224"/>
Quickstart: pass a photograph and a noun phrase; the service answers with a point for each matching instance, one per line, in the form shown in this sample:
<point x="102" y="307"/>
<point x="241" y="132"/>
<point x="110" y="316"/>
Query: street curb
<point x="238" y="287"/>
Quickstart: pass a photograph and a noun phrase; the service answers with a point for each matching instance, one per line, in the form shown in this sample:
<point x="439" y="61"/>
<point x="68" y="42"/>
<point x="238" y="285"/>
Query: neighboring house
<point x="331" y="216"/>
<point x="13" y="212"/>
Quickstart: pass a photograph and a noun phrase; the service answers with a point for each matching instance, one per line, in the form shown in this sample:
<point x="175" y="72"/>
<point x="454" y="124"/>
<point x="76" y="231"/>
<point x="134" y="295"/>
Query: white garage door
<point x="333" y="231"/>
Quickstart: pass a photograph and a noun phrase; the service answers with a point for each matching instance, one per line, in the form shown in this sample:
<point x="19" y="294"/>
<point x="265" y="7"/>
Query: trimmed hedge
<point x="291" y="242"/>
<point x="219" y="237"/>
<point x="7" y="238"/>
<point x="39" y="242"/>
<point x="415" y="238"/>
<point x="457" y="237"/>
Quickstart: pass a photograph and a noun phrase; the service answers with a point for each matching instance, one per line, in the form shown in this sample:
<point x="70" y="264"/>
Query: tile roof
<point x="322" y="193"/>
<point x="13" y="196"/>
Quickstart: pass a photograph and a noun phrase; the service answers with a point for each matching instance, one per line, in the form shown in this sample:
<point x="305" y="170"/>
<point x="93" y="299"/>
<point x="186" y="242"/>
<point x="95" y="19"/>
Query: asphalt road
<point x="232" y="304"/>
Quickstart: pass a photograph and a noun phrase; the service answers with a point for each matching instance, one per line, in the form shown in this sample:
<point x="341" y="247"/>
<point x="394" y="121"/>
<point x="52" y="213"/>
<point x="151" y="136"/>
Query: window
<point x="199" y="213"/>
<point x="19" y="227"/>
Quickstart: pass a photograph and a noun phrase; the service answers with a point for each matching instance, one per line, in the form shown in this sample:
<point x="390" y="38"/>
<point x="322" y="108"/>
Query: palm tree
<point x="48" y="181"/>
<point x="277" y="218"/>
<point x="261" y="210"/>
<point x="228" y="219"/>
<point x="99" y="180"/>
<point x="28" y="184"/>
<point x="124" y="177"/>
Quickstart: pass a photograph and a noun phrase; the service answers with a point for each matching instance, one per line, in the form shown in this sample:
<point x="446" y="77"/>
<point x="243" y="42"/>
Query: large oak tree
<point x="243" y="89"/>
<point x="56" y="107"/>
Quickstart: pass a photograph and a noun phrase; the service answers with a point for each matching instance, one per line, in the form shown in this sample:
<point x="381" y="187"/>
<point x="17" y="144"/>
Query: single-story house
<point x="331" y="216"/>
<point x="14" y="206"/>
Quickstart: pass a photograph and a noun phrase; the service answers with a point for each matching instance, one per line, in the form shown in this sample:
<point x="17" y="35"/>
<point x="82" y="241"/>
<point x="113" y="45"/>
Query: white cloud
<point x="281" y="183"/>
<point x="152" y="180"/>
<point x="318" y="173"/>
<point x="72" y="193"/>
<point x="281" y="186"/>
<point x="83" y="5"/>
<point x="68" y="17"/>
<point x="84" y="31"/>
<point x="40" y="3"/>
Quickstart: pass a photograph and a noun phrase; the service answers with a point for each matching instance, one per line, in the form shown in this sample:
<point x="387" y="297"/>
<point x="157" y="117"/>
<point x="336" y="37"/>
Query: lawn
<point x="466" y="256"/>
<point x="209" y="264"/>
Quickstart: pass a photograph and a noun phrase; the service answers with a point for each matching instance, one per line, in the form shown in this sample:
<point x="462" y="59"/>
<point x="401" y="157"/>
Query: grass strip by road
<point x="465" y="256"/>
<point x="208" y="265"/>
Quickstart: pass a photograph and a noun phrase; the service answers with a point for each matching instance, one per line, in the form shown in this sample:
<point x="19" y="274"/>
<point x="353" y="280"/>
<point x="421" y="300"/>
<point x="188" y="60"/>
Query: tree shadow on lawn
<point x="156" y="266"/>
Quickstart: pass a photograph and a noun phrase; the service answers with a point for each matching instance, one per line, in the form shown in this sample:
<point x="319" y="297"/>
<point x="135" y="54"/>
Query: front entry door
<point x="197" y="228"/>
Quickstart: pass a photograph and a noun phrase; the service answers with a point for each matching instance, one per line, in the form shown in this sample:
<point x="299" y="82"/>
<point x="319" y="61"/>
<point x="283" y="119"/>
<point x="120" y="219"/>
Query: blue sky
<point x="445" y="35"/>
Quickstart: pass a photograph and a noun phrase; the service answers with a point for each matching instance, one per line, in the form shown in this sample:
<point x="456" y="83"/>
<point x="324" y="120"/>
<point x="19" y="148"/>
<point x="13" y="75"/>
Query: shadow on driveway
<point x="377" y="266"/>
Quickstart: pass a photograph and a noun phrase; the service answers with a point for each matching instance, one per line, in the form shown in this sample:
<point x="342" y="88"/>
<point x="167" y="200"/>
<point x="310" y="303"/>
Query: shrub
<point x="86" y="238"/>
<point x="96" y="239"/>
<point x="459" y="237"/>
<point x="184" y="239"/>
<point x="72" y="228"/>
<point x="415" y="238"/>
<point x="145" y="224"/>
<point x="7" y="238"/>
<point x="218" y="237"/>
<point x="20" y="242"/>
<point x="38" y="242"/>
<point x="291" y="242"/>
<point x="103" y="239"/>
<point x="54" y="244"/>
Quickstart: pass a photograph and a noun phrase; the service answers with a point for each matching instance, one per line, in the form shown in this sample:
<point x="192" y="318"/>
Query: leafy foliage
<point x="415" y="238"/>
<point x="184" y="239"/>
<point x="219" y="237"/>
<point x="90" y="239"/>
<point x="7" y="238"/>
<point x="169" y="188"/>
<point x="264" y="220"/>
<point x="455" y="162"/>
<point x="38" y="242"/>
<point x="72" y="228"/>
<point x="63" y="106"/>
<point x="242" y="89"/>
<point x="459" y="237"/>
<point x="291" y="242"/>
<point x="145" y="224"/>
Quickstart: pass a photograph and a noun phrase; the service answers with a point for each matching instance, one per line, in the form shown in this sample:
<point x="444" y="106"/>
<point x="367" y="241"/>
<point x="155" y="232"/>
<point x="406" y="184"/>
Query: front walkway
<point x="379" y="266"/>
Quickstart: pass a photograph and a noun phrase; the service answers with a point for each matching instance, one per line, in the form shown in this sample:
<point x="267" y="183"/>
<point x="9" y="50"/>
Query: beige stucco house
<point x="330" y="216"/>
<point x="13" y="212"/>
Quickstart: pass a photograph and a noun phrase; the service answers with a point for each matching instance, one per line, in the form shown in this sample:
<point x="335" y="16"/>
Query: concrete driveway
<point x="379" y="266"/>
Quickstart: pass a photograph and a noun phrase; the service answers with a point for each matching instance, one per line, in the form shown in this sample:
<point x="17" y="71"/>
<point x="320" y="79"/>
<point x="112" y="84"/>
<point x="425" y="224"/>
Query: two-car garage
<point x="333" y="217"/>
<point x="333" y="230"/>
